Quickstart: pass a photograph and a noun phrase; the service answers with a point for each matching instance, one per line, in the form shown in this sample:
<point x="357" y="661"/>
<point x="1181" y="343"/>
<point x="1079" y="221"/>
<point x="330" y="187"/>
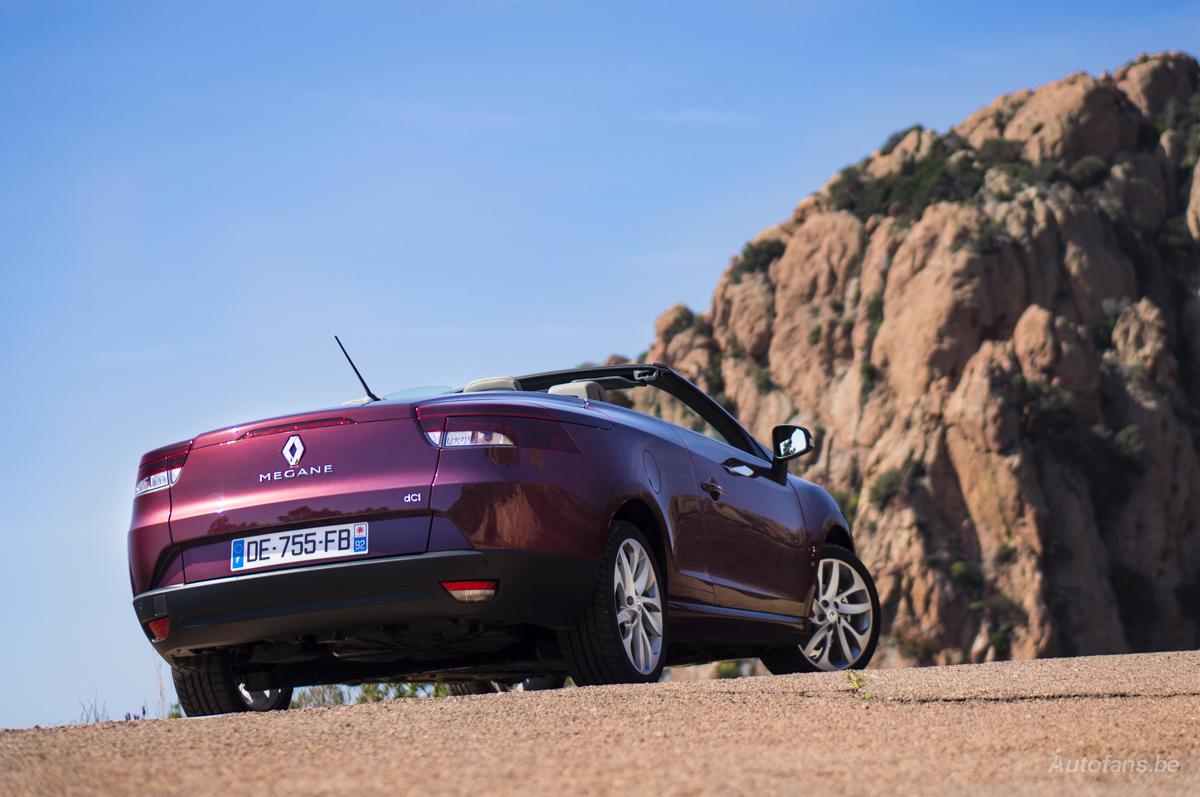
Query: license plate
<point x="303" y="545"/>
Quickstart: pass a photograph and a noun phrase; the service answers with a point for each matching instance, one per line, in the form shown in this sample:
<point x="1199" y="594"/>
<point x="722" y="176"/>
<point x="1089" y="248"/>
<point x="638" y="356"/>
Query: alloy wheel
<point x="841" y="617"/>
<point x="638" y="606"/>
<point x="258" y="700"/>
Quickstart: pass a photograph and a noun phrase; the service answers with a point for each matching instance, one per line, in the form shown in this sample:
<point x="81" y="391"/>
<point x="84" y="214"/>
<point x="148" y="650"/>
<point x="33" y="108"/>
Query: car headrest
<point x="491" y="383"/>
<point x="585" y="389"/>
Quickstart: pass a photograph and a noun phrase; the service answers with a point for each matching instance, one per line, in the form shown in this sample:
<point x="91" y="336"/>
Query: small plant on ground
<point x="729" y="669"/>
<point x="858" y="682"/>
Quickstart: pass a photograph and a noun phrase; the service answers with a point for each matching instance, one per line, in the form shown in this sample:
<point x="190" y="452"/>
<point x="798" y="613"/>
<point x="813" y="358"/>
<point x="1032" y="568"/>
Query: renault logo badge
<point x="293" y="449"/>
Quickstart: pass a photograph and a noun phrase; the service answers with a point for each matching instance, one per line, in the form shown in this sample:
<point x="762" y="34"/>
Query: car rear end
<point x="345" y="544"/>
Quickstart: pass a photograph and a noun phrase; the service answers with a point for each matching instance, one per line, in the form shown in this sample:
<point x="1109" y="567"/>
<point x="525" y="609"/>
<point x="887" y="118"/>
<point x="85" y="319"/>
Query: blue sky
<point x="193" y="200"/>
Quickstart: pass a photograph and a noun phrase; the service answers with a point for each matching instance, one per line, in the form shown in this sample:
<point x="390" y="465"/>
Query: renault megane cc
<point x="514" y="530"/>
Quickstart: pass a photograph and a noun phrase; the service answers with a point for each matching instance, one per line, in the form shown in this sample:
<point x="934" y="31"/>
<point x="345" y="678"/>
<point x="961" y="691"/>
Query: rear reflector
<point x="471" y="591"/>
<point x="159" y="628"/>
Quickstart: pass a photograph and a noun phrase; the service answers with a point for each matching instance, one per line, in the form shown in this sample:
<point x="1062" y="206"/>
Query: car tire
<point x="844" y="633"/>
<point x="211" y="688"/>
<point x="626" y="643"/>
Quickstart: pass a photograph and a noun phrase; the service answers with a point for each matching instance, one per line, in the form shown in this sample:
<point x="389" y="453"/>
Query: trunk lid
<point x="348" y="464"/>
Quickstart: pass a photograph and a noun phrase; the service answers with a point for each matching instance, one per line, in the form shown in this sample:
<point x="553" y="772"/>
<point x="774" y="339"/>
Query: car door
<point x="758" y="551"/>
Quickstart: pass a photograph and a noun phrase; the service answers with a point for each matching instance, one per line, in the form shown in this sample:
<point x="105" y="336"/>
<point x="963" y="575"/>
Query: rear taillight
<point x="471" y="591"/>
<point x="471" y="436"/>
<point x="161" y="468"/>
<point x="463" y="431"/>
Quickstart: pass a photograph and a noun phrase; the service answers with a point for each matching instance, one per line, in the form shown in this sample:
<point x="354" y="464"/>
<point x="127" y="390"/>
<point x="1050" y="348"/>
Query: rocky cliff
<point x="995" y="333"/>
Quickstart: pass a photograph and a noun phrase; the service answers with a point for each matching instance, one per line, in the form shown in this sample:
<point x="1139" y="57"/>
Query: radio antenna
<point x="370" y="395"/>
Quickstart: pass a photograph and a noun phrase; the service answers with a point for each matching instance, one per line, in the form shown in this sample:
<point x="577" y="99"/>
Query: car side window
<point x="660" y="404"/>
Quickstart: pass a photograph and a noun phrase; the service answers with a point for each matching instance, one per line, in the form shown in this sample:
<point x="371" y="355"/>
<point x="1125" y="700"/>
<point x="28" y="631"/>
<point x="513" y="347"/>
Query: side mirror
<point x="787" y="443"/>
<point x="790" y="442"/>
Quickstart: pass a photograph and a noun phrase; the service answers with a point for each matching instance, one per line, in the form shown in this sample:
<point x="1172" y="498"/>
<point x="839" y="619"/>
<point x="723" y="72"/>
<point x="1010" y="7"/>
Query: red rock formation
<point x="996" y="334"/>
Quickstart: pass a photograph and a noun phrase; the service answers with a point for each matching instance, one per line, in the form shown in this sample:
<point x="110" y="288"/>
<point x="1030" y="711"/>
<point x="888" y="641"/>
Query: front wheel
<point x="844" y="620"/>
<point x="621" y="636"/>
<point x="213" y="688"/>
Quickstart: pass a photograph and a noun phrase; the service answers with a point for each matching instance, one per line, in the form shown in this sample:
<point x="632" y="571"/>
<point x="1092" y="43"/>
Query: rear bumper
<point x="535" y="589"/>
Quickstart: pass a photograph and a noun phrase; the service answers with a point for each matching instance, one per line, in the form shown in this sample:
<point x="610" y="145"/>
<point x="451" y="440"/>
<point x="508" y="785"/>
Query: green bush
<point x="1045" y="411"/>
<point x="1178" y="115"/>
<point x="870" y="377"/>
<point x="756" y="257"/>
<point x="894" y="139"/>
<point x="1088" y="171"/>
<point x="998" y="150"/>
<point x="848" y="501"/>
<point x="1006" y="156"/>
<point x="892" y="483"/>
<point x="1109" y="459"/>
<point x="814" y="335"/>
<point x="1129" y="445"/>
<point x="875" y="312"/>
<point x="909" y="191"/>
<point x="1175" y="236"/>
<point x="715" y="376"/>
<point x="1112" y="309"/>
<point x="966" y="574"/>
<point x="685" y="321"/>
<point x="729" y="669"/>
<point x="1001" y="641"/>
<point x="762" y="380"/>
<point x="989" y="238"/>
<point x="1005" y="617"/>
<point x="887" y="486"/>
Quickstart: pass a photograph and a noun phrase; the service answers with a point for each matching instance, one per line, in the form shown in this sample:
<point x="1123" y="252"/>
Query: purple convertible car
<point x="514" y="531"/>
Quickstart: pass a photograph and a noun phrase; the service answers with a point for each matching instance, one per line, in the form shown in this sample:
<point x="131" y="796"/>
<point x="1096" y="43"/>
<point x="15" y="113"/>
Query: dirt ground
<point x="1075" y="725"/>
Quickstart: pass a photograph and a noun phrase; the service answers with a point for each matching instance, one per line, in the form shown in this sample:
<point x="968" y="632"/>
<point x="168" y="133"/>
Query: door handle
<point x="736" y="467"/>
<point x="712" y="488"/>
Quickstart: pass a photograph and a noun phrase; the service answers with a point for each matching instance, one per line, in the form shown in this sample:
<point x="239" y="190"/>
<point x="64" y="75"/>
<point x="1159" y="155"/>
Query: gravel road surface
<point x="1009" y="727"/>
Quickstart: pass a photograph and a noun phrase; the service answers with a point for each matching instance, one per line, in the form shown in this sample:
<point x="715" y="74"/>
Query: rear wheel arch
<point x="639" y="513"/>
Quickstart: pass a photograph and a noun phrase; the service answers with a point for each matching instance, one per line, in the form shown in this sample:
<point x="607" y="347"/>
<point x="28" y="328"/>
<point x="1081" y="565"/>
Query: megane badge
<point x="293" y="449"/>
